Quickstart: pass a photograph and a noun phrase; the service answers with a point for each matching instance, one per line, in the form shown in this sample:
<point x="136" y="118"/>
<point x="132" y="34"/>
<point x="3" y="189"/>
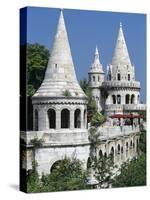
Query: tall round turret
<point x="96" y="78"/>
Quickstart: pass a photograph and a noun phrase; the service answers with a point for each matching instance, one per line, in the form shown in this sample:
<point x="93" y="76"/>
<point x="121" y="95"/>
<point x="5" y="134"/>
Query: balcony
<point x="125" y="84"/>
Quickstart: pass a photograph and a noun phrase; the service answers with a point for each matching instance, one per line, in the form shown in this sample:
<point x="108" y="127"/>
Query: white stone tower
<point x="96" y="78"/>
<point x="121" y="90"/>
<point x="60" y="107"/>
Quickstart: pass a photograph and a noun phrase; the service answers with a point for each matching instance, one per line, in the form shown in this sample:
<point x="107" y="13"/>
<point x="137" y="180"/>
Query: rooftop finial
<point x="96" y="50"/>
<point x="120" y="24"/>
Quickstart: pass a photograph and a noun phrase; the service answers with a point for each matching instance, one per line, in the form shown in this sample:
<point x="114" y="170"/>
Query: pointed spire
<point x="60" y="74"/>
<point x="121" y="55"/>
<point x="96" y="65"/>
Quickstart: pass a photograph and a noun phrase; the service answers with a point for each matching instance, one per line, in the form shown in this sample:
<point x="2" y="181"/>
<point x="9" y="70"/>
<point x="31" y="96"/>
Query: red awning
<point x="126" y="116"/>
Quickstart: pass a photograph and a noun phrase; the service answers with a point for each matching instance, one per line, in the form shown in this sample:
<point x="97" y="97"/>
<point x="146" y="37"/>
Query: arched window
<point x="121" y="149"/>
<point x="90" y="78"/>
<point x="93" y="78"/>
<point x="138" y="99"/>
<point x="52" y="118"/>
<point x="127" y="146"/>
<point x="36" y="120"/>
<point x="128" y="77"/>
<point x="77" y="118"/>
<point x="65" y="118"/>
<point x="85" y="116"/>
<point x="131" y="144"/>
<point x="132" y="99"/>
<point x="112" y="154"/>
<point x="109" y="76"/>
<point x="105" y="155"/>
<point x="127" y="98"/>
<point x="89" y="162"/>
<point x="114" y="99"/>
<point x="100" y="154"/>
<point x="98" y="78"/>
<point x="56" y="165"/>
<point x="118" y="99"/>
<point x="118" y="149"/>
<point x="118" y="77"/>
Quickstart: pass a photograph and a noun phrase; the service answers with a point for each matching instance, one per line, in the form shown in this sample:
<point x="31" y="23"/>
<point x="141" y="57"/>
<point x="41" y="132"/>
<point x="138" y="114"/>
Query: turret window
<point x="93" y="78"/>
<point x="98" y="79"/>
<point x="127" y="98"/>
<point x="114" y="99"/>
<point x="52" y="118"/>
<point x="132" y="99"/>
<point x="118" y="77"/>
<point x="128" y="77"/>
<point x="65" y="118"/>
<point x="118" y="99"/>
<point x="77" y="119"/>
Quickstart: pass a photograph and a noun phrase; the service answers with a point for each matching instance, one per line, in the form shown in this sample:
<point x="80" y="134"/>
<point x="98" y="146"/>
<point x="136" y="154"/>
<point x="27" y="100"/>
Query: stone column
<point x="72" y="119"/>
<point x="58" y="119"/>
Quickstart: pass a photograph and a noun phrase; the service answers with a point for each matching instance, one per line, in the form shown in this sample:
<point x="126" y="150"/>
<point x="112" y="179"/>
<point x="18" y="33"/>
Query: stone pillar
<point x="72" y="119"/>
<point x="42" y="119"/>
<point x="58" y="119"/>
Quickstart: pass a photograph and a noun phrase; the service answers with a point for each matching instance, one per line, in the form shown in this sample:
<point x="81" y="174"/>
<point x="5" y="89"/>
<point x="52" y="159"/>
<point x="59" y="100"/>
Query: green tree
<point x="37" y="59"/>
<point x="142" y="144"/>
<point x="67" y="175"/>
<point x="132" y="173"/>
<point x="97" y="119"/>
<point x="91" y="107"/>
<point x="33" y="181"/>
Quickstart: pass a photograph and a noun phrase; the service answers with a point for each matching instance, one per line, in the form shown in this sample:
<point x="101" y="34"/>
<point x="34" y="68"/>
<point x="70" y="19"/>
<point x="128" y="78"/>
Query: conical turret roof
<point x="121" y="55"/>
<point x="96" y="66"/>
<point x="60" y="74"/>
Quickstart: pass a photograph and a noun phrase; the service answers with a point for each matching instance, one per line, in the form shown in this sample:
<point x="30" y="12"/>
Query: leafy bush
<point x="97" y="119"/>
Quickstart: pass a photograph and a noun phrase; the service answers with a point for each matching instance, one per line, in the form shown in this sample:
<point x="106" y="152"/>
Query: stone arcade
<point x="60" y="107"/>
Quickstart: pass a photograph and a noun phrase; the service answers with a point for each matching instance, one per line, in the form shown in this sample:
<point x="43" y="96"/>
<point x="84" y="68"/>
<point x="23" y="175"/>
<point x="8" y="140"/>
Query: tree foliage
<point x="91" y="107"/>
<point x="69" y="175"/>
<point x="132" y="173"/>
<point x="37" y="59"/>
<point x="97" y="119"/>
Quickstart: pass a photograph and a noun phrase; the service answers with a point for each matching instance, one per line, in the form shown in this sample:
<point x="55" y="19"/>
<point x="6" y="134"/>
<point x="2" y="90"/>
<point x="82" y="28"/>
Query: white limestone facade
<point x="60" y="107"/>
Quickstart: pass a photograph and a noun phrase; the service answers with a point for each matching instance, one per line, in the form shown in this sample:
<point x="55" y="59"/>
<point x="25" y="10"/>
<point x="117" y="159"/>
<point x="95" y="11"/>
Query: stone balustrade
<point x="135" y="84"/>
<point x="116" y="131"/>
<point x="125" y="107"/>
<point x="57" y="137"/>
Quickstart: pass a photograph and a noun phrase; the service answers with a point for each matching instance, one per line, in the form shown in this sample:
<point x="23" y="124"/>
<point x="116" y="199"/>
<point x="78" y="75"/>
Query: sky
<point x="86" y="29"/>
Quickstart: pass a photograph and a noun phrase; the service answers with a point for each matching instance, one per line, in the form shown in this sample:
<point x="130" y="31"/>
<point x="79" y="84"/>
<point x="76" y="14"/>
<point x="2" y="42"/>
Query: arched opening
<point x="52" y="118"/>
<point x="65" y="118"/>
<point x="85" y="120"/>
<point x="138" y="99"/>
<point x="93" y="78"/>
<point x="98" y="78"/>
<point x="131" y="144"/>
<point x="77" y="118"/>
<point x="112" y="154"/>
<point x="100" y="154"/>
<point x="132" y="99"/>
<point x="109" y="76"/>
<point x="36" y="120"/>
<point x="56" y="165"/>
<point x="118" y="99"/>
<point x="128" y="77"/>
<point x="118" y="149"/>
<point x="89" y="162"/>
<point x="114" y="99"/>
<point x="121" y="149"/>
<point x="127" y="98"/>
<point x="127" y="146"/>
<point x="105" y="155"/>
<point x="118" y="77"/>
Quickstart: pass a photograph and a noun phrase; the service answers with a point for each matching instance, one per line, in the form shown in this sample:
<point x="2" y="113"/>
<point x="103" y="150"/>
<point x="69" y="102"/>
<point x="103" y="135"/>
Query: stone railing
<point x="125" y="107"/>
<point x="116" y="131"/>
<point x="136" y="107"/>
<point x="57" y="137"/>
<point x="135" y="84"/>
